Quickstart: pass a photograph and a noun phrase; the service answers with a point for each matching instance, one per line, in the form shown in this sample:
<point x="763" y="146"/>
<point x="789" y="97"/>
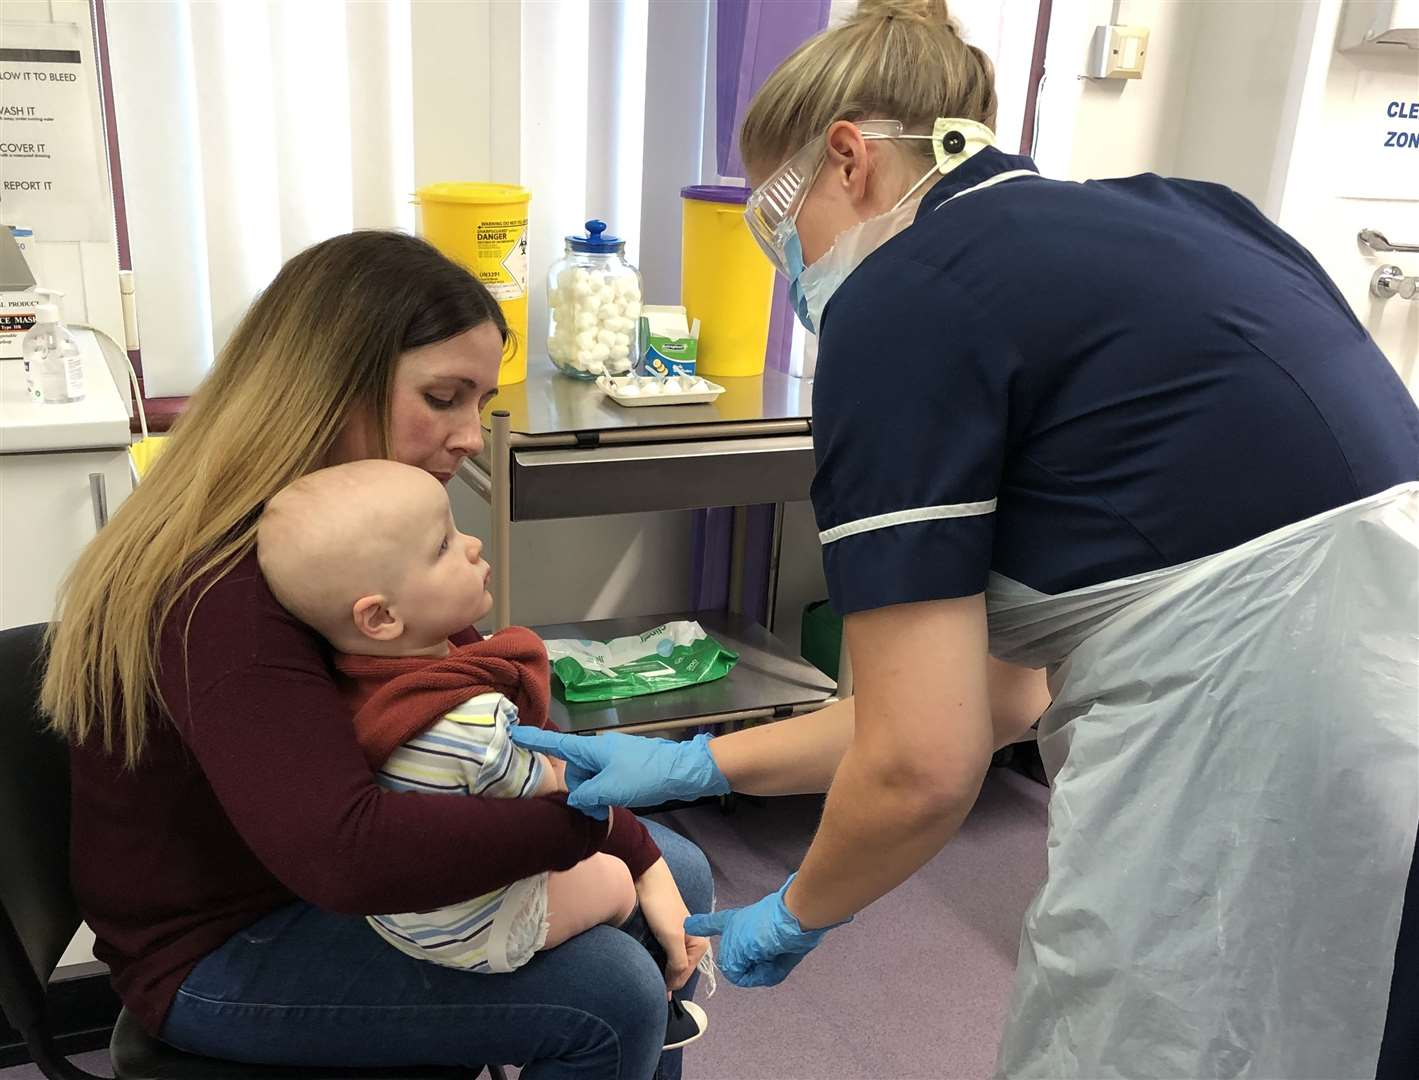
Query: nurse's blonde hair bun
<point x="891" y="59"/>
<point x="924" y="10"/>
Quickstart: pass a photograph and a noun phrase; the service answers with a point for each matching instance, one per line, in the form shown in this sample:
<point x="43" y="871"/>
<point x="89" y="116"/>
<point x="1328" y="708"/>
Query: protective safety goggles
<point x="774" y="205"/>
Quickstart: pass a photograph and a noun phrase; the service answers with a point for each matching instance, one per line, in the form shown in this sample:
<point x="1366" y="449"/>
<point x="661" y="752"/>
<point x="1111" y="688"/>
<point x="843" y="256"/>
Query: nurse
<point x="1125" y="434"/>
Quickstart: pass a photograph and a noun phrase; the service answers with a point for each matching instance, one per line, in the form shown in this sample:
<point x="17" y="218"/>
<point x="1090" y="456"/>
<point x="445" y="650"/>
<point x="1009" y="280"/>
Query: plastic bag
<point x="669" y="657"/>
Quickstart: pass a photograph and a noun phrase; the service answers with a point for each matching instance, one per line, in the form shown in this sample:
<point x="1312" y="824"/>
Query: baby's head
<point x="368" y="555"/>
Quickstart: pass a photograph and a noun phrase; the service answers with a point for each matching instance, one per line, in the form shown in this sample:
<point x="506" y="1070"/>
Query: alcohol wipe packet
<point x="668" y="657"/>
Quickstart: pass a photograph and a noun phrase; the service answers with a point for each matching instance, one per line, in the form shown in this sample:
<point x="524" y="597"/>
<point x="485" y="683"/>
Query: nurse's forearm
<point x="920" y="751"/>
<point x="800" y="755"/>
<point x="796" y="756"/>
<point x="875" y="833"/>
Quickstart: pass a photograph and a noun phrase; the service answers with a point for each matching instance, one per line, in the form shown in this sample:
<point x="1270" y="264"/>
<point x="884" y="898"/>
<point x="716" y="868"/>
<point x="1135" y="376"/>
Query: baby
<point x="367" y="554"/>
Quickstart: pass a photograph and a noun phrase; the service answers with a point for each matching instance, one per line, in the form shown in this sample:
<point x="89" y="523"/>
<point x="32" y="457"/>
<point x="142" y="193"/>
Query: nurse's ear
<point x="850" y="163"/>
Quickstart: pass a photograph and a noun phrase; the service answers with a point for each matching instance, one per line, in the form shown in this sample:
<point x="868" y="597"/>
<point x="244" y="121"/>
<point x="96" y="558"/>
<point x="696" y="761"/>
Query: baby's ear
<point x="375" y="620"/>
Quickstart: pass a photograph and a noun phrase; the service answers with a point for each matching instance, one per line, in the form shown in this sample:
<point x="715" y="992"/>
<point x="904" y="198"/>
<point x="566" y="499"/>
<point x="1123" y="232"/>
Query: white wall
<point x="1114" y="127"/>
<point x="1239" y="88"/>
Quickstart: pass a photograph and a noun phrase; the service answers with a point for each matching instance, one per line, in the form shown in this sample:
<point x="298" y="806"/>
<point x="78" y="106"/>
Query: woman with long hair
<point x="228" y="836"/>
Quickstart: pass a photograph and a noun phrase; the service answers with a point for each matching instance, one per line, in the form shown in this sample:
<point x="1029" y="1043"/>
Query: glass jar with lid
<point x="594" y="306"/>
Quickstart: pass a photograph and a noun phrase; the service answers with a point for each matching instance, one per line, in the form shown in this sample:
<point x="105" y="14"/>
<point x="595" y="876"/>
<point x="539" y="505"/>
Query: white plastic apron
<point x="1234" y="749"/>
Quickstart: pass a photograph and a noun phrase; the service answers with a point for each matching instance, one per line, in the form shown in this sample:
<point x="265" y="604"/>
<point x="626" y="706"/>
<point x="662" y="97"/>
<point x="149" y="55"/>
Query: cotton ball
<point x="606" y="337"/>
<point x="585" y="320"/>
<point x="596" y="367"/>
<point x="618" y="364"/>
<point x="582" y="358"/>
<point x="672" y="386"/>
<point x="630" y="389"/>
<point x="633" y="294"/>
<point x="586" y="339"/>
<point x="621" y="341"/>
<point x="650" y="389"/>
<point x="608" y="312"/>
<point x="699" y="386"/>
<point x="600" y="352"/>
<point x="633" y="309"/>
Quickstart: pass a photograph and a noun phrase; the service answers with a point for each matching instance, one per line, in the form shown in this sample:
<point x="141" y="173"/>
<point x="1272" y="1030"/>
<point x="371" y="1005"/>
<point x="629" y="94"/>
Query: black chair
<point x="38" y="913"/>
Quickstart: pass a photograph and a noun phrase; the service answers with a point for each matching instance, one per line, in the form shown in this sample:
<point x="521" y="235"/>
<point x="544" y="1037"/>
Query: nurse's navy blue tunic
<point x="1070" y="383"/>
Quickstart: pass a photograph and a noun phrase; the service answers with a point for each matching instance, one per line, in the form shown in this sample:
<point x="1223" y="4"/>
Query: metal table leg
<point x="500" y="504"/>
<point x="775" y="557"/>
<point x="738" y="548"/>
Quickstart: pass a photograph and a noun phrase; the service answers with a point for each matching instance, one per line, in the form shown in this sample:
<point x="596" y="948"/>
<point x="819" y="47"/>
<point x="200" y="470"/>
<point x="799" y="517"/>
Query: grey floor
<point x="915" y="988"/>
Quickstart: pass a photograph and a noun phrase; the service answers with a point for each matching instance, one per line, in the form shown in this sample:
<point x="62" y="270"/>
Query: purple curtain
<point x="752" y="37"/>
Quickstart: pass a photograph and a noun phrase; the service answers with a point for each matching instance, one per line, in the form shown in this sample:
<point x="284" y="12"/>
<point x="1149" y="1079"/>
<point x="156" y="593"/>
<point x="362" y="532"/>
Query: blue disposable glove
<point x="628" y="770"/>
<point x="759" y="944"/>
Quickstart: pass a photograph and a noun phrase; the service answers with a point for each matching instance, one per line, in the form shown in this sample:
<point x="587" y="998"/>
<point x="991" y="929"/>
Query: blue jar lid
<point x="596" y="239"/>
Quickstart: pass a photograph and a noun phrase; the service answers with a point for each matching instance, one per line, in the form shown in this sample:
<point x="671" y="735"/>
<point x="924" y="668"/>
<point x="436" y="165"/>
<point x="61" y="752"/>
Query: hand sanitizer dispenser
<point x="54" y="367"/>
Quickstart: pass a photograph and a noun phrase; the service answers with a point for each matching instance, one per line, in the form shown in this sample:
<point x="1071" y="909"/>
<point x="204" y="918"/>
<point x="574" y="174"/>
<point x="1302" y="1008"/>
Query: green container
<point x="822" y="643"/>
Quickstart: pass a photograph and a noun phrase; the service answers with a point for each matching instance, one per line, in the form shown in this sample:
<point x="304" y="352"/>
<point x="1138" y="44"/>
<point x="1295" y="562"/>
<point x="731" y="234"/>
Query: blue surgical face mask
<point x="811" y="287"/>
<point x="793" y="252"/>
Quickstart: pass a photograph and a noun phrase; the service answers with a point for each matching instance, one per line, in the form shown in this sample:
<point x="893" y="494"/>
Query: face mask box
<point x="17" y="296"/>
<point x="671" y="344"/>
<point x="16" y="317"/>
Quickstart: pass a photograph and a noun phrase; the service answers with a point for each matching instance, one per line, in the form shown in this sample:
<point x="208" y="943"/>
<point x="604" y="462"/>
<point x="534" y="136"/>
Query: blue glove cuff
<point x="812" y="937"/>
<point x="712" y="781"/>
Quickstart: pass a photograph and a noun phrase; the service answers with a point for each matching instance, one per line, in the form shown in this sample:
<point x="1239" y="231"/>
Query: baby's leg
<point x="594" y="891"/>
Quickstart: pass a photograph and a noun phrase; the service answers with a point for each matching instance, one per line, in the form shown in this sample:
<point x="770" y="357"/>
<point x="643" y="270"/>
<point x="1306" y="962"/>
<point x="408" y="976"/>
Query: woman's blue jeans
<point x="305" y="987"/>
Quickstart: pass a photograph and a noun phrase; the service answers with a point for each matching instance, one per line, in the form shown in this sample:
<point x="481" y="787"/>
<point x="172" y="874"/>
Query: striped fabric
<point x="466" y="752"/>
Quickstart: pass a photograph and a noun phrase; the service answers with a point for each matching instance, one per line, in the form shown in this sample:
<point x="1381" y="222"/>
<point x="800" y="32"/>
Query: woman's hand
<point x="628" y="770"/>
<point x="665" y="913"/>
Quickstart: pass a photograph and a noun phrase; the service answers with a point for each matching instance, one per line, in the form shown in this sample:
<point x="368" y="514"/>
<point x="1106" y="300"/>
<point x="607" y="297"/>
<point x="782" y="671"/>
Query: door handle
<point x="1377" y="241"/>
<point x="98" y="495"/>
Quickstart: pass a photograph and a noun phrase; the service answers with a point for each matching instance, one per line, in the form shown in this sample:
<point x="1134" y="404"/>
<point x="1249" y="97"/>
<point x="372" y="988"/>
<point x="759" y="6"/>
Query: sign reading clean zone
<point x="1376" y="153"/>
<point x="52" y="162"/>
<point x="1401" y="137"/>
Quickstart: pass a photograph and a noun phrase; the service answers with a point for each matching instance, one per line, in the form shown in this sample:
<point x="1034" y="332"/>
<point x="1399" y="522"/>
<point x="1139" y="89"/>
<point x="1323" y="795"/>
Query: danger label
<point x="502" y="258"/>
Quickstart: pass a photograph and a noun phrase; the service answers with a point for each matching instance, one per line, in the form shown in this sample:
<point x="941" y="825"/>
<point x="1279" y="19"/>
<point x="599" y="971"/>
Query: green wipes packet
<point x="670" y="657"/>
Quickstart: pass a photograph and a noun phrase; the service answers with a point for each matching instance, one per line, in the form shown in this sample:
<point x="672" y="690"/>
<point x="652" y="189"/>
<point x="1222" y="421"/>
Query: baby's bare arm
<point x="554" y="775"/>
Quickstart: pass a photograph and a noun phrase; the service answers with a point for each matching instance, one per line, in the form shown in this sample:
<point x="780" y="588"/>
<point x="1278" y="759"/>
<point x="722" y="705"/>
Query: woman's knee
<point x="627" y="996"/>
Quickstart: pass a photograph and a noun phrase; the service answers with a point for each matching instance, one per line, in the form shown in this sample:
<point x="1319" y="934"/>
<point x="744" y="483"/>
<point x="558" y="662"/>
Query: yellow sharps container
<point x="725" y="281"/>
<point x="484" y="227"/>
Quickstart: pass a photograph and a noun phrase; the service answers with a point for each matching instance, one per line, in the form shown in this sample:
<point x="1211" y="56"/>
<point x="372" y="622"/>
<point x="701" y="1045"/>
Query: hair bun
<point x="931" y="11"/>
